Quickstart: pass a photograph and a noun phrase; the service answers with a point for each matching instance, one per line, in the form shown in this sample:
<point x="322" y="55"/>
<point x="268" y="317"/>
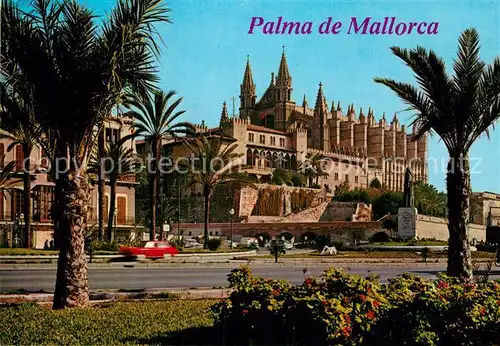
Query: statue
<point x="408" y="188"/>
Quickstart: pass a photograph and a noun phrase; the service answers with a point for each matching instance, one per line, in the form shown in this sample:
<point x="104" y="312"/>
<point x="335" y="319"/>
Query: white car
<point x="192" y="244"/>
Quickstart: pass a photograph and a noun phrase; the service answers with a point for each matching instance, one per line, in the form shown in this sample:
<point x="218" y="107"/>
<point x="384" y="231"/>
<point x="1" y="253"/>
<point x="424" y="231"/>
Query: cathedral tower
<point x="320" y="128"/>
<point x="248" y="95"/>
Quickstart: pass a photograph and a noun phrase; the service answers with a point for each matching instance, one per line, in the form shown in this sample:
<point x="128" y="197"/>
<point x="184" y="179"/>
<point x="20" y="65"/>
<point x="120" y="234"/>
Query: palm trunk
<point x="458" y="189"/>
<point x="112" y="199"/>
<point x="27" y="195"/>
<point x="206" y="194"/>
<point x="154" y="191"/>
<point x="72" y="288"/>
<point x="310" y="181"/>
<point x="101" y="186"/>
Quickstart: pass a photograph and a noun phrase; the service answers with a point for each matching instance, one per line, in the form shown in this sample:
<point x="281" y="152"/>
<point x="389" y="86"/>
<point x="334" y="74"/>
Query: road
<point x="122" y="277"/>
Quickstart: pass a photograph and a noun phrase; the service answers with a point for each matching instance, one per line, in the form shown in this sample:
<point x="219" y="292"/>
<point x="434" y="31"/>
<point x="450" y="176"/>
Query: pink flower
<point x="244" y="312"/>
<point x="362" y="297"/>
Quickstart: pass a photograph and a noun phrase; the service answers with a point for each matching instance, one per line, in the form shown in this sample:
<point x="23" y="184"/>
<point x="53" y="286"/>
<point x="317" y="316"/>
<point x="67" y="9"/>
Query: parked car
<point x="248" y="241"/>
<point x="149" y="249"/>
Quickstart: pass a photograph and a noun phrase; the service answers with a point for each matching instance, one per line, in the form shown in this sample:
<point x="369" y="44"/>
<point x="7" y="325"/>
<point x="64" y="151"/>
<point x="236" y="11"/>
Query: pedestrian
<point x="46" y="244"/>
<point x="52" y="244"/>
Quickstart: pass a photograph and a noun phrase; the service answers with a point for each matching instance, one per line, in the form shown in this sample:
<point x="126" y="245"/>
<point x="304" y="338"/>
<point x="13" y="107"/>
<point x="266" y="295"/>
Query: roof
<point x="265" y="129"/>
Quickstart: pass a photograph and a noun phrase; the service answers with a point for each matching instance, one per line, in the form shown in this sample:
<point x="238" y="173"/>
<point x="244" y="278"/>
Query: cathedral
<point x="274" y="131"/>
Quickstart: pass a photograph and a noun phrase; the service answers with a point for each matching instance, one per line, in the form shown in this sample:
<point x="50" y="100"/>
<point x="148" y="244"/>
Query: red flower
<point x="442" y="284"/>
<point x="482" y="311"/>
<point x="276" y="292"/>
<point x="347" y="319"/>
<point x="346" y="331"/>
<point x="324" y="302"/>
<point x="244" y="312"/>
<point x="346" y="300"/>
<point x="375" y="303"/>
<point x="498" y="302"/>
<point x="308" y="282"/>
<point x="370" y="314"/>
<point x="362" y="297"/>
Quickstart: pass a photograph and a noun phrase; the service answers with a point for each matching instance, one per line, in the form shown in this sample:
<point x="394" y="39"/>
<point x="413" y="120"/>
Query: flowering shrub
<point x="339" y="308"/>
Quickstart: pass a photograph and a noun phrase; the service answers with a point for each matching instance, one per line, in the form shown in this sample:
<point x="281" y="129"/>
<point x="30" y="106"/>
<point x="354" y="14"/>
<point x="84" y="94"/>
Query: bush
<point x="338" y="308"/>
<point x="106" y="246"/>
<point x="338" y="244"/>
<point x="214" y="244"/>
<point x="322" y="241"/>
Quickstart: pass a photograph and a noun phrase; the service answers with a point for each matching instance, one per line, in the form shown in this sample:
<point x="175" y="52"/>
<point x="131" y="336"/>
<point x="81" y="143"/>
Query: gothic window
<point x="336" y="176"/>
<point x="18" y="202"/>
<point x="249" y="158"/>
<point x="262" y="139"/>
<point x="347" y="177"/>
<point x="273" y="140"/>
<point x="250" y="137"/>
<point x="356" y="179"/>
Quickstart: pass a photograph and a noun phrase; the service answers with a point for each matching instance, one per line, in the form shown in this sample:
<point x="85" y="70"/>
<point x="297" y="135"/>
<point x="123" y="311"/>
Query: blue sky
<point x="207" y="46"/>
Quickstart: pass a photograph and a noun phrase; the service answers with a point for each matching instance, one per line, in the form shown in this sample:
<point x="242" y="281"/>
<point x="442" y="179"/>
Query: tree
<point x="18" y="125"/>
<point x="342" y="188"/>
<point x="281" y="177"/>
<point x="428" y="200"/>
<point x="156" y="120"/>
<point x="79" y="72"/>
<point x="312" y="168"/>
<point x="387" y="203"/>
<point x="224" y="167"/>
<point x="118" y="162"/>
<point x="458" y="108"/>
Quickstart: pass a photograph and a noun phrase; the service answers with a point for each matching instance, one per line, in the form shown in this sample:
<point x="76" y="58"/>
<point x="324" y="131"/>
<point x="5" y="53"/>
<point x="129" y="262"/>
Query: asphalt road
<point x="121" y="277"/>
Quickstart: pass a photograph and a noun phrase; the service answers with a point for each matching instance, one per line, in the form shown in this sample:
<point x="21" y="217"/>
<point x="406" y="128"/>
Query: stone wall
<point x="338" y="230"/>
<point x="339" y="211"/>
<point x="430" y="227"/>
<point x="308" y="215"/>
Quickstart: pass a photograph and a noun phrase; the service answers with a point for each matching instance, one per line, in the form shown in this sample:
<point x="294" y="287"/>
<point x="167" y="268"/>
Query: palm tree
<point x="118" y="162"/>
<point x="155" y="120"/>
<point x="80" y="73"/>
<point x="101" y="184"/>
<point x="18" y="125"/>
<point x="224" y="167"/>
<point x="312" y="168"/>
<point x="458" y="109"/>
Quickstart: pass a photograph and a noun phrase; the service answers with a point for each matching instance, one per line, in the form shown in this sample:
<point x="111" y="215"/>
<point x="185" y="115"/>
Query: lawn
<point x="145" y="322"/>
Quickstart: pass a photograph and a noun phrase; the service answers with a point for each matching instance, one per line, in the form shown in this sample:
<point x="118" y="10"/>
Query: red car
<point x="149" y="249"/>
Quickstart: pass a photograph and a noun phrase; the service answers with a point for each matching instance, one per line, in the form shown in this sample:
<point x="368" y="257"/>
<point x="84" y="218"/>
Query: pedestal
<point x="407" y="223"/>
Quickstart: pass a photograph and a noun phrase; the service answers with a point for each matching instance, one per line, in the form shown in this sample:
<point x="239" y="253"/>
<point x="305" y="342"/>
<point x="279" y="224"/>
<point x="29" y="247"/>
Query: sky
<point x="208" y="42"/>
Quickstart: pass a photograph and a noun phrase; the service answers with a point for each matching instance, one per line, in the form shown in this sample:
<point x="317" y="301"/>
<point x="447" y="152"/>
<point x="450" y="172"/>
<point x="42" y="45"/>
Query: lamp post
<point x="231" y="212"/>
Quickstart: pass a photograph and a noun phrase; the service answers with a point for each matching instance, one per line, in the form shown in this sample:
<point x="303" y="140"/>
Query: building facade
<point x="42" y="192"/>
<point x="274" y="131"/>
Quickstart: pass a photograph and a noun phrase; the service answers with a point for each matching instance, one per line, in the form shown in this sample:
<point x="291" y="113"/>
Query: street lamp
<point x="231" y="212"/>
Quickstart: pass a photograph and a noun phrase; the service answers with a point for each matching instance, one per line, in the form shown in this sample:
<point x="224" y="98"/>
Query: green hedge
<point x="343" y="309"/>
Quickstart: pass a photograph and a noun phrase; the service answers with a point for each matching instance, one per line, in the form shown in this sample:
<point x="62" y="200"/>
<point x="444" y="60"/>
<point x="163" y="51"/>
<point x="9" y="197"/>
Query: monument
<point x="407" y="214"/>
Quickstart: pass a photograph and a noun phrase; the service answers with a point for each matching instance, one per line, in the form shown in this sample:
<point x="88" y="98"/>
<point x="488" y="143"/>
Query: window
<point x="112" y="135"/>
<point x="121" y="210"/>
<point x="347" y="177"/>
<point x="356" y="179"/>
<point x="18" y="202"/>
<point x="273" y="140"/>
<point x="336" y="176"/>
<point x="250" y="137"/>
<point x="42" y="203"/>
<point x="44" y="163"/>
<point x="282" y="142"/>
<point x="262" y="139"/>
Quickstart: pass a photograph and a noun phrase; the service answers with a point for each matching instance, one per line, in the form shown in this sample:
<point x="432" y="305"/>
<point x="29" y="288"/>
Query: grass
<point x="145" y="322"/>
<point x="412" y="243"/>
<point x="35" y="252"/>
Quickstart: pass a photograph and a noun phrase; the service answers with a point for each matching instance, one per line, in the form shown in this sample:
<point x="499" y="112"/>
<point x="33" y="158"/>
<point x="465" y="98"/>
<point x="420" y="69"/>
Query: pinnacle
<point x="248" y="85"/>
<point x="284" y="77"/>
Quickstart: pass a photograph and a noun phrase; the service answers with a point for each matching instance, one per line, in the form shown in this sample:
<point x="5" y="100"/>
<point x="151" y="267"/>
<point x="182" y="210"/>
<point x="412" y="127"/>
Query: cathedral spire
<point x="247" y="88"/>
<point x="304" y="103"/>
<point x="362" y="117"/>
<point x="224" y="117"/>
<point x="284" y="77"/>
<point x="320" y="105"/>
<point x="338" y="107"/>
<point x="350" y="114"/>
<point x="284" y="80"/>
<point x="332" y="110"/>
